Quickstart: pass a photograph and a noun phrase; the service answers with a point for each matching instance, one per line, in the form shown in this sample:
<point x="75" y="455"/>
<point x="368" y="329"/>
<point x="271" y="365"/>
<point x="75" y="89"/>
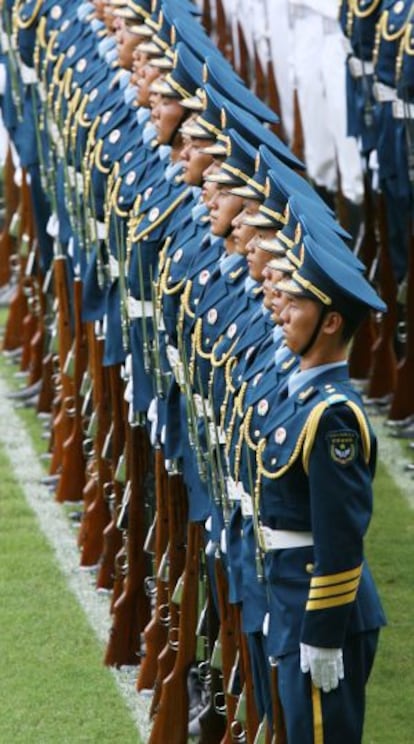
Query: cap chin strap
<point x="315" y="333"/>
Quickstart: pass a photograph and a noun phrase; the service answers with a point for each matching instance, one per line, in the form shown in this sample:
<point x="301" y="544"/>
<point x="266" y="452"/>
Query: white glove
<point x="152" y="415"/>
<point x="326" y="665"/>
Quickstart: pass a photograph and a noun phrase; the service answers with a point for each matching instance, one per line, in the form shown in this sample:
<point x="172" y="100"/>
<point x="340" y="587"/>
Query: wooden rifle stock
<point x="207" y="20"/>
<point x="177" y="525"/>
<point x="224" y="40"/>
<point x="402" y="405"/>
<point x="384" y="364"/>
<point x="112" y="535"/>
<point x="173" y="705"/>
<point x="155" y="633"/>
<point x="96" y="515"/>
<point x="229" y="627"/>
<point x="61" y="427"/>
<point x="131" y="610"/>
<point x="11" y="203"/>
<point x="212" y="723"/>
<point x="244" y="67"/>
<point x="360" y="358"/>
<point x="252" y="718"/>
<point x="72" y="479"/>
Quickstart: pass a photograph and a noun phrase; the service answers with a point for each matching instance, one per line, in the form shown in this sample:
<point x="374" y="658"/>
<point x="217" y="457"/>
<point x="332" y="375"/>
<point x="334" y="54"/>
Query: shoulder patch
<point x="335" y="398"/>
<point x="343" y="446"/>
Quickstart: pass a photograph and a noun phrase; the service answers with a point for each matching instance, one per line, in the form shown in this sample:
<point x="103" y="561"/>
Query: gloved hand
<point x="152" y="415"/>
<point x="326" y="665"/>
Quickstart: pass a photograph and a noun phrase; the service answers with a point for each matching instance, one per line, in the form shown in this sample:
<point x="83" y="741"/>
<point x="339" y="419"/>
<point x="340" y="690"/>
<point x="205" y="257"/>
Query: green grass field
<point x="53" y="685"/>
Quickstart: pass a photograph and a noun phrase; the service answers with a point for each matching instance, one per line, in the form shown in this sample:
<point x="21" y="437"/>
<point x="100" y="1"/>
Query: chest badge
<point x="153" y="214"/>
<point x="114" y="136"/>
<point x="232" y="330"/>
<point x="280" y="435"/>
<point x="204" y="277"/>
<point x="212" y="316"/>
<point x="178" y="255"/>
<point x="262" y="407"/>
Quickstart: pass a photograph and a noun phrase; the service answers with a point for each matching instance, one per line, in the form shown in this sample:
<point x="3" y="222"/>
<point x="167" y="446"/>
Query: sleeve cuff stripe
<point x="323" y="604"/>
<point x="338" y="578"/>
<point x="331" y="591"/>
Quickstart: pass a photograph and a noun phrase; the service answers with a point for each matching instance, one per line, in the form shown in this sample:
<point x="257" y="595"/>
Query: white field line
<point x="54" y="525"/>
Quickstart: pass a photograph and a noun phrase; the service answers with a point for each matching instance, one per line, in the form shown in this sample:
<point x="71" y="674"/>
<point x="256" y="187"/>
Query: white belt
<point x="28" y="74"/>
<point x="358" y="67"/>
<point x="246" y="503"/>
<point x="139" y="308"/>
<point x="280" y="539"/>
<point x="384" y="93"/>
<point x="402" y="110"/>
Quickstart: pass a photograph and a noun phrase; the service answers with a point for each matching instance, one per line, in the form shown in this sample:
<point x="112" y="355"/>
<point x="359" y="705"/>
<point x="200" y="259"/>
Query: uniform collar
<point x="302" y="378"/>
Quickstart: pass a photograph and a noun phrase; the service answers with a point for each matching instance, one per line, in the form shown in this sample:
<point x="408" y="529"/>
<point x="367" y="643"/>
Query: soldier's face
<point x="242" y="234"/>
<point x="299" y="318"/>
<point x="166" y="116"/>
<point x="257" y="258"/>
<point x="126" y="45"/>
<point x="194" y="161"/>
<point x="209" y="187"/>
<point x="144" y="76"/>
<point x="223" y="208"/>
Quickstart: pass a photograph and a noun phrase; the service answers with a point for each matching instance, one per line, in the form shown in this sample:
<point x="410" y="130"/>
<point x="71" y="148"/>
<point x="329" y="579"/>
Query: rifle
<point x="229" y="633"/>
<point x="72" y="478"/>
<point x="155" y="633"/>
<point x="224" y="40"/>
<point x="360" y="358"/>
<point x="175" y="564"/>
<point x="206" y="17"/>
<point x="96" y="513"/>
<point x="384" y="365"/>
<point x="173" y="704"/>
<point x="402" y="404"/>
<point x="212" y="723"/>
<point x="131" y="610"/>
<point x="244" y="67"/>
<point x="11" y="202"/>
<point x="61" y="427"/>
<point x="112" y="535"/>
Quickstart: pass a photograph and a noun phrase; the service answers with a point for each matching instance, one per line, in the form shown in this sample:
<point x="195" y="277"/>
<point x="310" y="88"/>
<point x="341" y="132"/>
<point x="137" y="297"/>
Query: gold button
<point x="309" y="568"/>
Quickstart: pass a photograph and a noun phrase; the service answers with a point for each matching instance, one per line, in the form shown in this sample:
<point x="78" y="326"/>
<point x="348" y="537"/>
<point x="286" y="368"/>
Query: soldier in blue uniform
<point x="312" y="506"/>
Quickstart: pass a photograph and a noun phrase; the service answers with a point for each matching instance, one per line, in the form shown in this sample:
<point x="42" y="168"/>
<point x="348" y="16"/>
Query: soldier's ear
<point x="333" y="323"/>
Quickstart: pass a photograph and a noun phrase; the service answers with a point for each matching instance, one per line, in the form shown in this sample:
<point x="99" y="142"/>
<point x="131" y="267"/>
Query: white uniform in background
<point x="318" y="59"/>
<point x="277" y="12"/>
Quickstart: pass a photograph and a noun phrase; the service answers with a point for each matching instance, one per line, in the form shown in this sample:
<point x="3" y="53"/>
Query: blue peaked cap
<point x="335" y="283"/>
<point x="229" y="84"/>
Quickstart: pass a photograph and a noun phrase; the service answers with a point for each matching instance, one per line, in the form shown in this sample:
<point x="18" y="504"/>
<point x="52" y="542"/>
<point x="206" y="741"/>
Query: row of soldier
<point x="164" y="229"/>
